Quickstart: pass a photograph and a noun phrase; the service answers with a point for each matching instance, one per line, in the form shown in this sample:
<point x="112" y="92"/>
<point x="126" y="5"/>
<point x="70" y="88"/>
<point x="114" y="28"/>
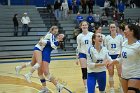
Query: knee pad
<point x="84" y="73"/>
<point x="134" y="89"/>
<point x="111" y="78"/>
<point x="36" y="66"/>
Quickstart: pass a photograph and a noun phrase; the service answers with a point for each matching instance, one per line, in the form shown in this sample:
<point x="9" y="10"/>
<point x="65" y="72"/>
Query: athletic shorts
<point x="132" y="78"/>
<point x="36" y="48"/>
<point x="114" y="56"/>
<point x="46" y="56"/>
<point x="82" y="55"/>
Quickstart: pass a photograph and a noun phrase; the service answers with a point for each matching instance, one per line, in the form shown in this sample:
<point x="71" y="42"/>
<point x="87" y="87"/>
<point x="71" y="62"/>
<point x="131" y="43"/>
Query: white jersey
<point x="114" y="44"/>
<point x="103" y="37"/>
<point x="95" y="57"/>
<point x="48" y="37"/>
<point x="84" y="42"/>
<point x="130" y="58"/>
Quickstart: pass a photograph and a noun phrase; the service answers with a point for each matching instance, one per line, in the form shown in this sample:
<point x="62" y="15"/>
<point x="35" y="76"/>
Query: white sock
<point x="36" y="66"/>
<point x="28" y="64"/>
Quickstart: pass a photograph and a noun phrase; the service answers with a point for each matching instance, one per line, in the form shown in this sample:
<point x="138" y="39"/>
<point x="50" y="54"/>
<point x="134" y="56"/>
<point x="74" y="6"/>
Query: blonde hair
<point x="52" y="28"/>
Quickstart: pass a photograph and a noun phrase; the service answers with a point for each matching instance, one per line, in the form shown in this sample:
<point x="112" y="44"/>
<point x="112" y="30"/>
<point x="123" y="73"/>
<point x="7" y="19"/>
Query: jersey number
<point x="113" y="45"/>
<point x="124" y="54"/>
<point x="86" y="41"/>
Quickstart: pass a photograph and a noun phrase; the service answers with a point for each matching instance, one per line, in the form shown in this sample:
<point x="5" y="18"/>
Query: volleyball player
<point x="84" y="41"/>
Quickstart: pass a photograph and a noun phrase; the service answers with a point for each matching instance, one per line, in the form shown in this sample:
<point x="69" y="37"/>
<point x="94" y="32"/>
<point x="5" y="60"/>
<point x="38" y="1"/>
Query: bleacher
<point x="20" y="46"/>
<point x="68" y="25"/>
<point x="132" y="13"/>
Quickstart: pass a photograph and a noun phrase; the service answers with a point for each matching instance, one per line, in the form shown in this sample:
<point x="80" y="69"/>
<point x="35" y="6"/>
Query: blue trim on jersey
<point x="36" y="48"/>
<point x="82" y="55"/>
<point x="100" y="77"/>
<point x="89" y="53"/>
<point x="114" y="56"/>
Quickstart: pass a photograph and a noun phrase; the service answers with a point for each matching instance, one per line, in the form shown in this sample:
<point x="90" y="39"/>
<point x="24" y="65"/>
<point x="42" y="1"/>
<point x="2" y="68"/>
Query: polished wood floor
<point x="65" y="70"/>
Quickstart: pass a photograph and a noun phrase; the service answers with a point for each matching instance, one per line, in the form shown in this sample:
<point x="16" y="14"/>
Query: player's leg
<point x="124" y="83"/>
<point x="38" y="57"/>
<point x="134" y="85"/>
<point x="91" y="81"/>
<point x="83" y="63"/>
<point x="101" y="78"/>
<point x="44" y="88"/>
<point x="27" y="64"/>
<point x="119" y="70"/>
<point x="111" y="80"/>
<point x="51" y="78"/>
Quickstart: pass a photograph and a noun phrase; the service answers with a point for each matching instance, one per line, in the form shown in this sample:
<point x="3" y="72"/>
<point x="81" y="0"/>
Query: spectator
<point x="25" y="20"/>
<point x="79" y="19"/>
<point x="65" y="9"/>
<point x="84" y="6"/>
<point x="75" y="7"/>
<point x="90" y="4"/>
<point x="90" y="18"/>
<point x="115" y="16"/>
<point x="106" y="7"/>
<point x="132" y="4"/>
<point x="57" y="9"/>
<point x="76" y="32"/>
<point x="121" y="7"/>
<point x="91" y="27"/>
<point x="104" y="20"/>
<point x="70" y="6"/>
<point x="97" y="19"/>
<point x="15" y="21"/>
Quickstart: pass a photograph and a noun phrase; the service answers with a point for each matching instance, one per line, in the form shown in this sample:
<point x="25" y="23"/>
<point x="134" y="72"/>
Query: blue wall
<point x="39" y="3"/>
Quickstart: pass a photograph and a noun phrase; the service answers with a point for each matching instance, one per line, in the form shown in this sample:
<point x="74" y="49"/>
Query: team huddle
<point x="96" y="53"/>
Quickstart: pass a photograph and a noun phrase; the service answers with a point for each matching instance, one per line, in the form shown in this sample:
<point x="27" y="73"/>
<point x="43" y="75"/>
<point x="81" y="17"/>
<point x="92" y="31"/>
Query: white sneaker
<point x="44" y="90"/>
<point x="17" y="69"/>
<point x="112" y="90"/>
<point x="28" y="77"/>
<point x="97" y="86"/>
<point x="59" y="88"/>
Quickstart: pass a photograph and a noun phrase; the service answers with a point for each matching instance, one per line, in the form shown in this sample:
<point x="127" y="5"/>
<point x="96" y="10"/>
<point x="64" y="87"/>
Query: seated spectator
<point x="97" y="19"/>
<point x="104" y="20"/>
<point x="115" y="16"/>
<point x="76" y="33"/>
<point x="90" y="18"/>
<point x="91" y="27"/>
<point x="79" y="19"/>
<point x="121" y="8"/>
<point x="106" y="7"/>
<point x="132" y="4"/>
